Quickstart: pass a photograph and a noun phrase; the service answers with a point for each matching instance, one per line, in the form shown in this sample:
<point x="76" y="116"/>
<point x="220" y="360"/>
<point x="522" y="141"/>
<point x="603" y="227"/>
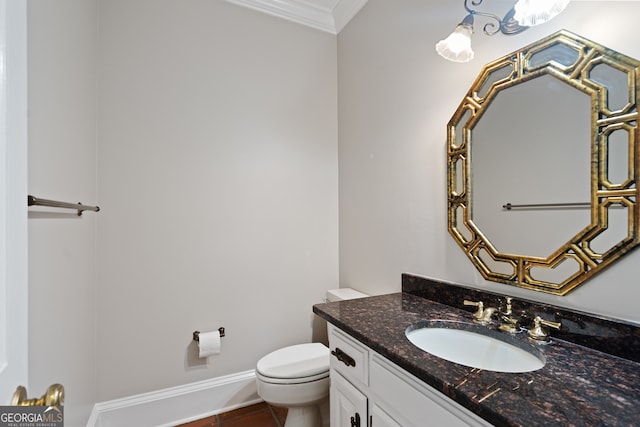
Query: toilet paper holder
<point x="196" y="334"/>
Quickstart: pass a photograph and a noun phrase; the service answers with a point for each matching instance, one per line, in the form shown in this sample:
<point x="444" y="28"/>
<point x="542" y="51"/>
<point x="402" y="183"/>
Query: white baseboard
<point x="177" y="405"/>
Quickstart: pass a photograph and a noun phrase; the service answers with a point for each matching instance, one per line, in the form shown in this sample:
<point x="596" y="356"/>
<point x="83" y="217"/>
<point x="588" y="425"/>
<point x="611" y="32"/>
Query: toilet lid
<point x="296" y="361"/>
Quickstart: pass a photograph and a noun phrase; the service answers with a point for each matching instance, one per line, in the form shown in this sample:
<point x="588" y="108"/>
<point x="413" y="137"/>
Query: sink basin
<point x="475" y="346"/>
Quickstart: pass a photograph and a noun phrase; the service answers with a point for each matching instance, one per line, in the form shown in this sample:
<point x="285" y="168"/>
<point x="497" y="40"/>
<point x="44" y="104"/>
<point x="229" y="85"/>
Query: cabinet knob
<point x="343" y="357"/>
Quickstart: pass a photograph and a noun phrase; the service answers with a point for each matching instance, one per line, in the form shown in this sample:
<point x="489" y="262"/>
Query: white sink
<point x="470" y="345"/>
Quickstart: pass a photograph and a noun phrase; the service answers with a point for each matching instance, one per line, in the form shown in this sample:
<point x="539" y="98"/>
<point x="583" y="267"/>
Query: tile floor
<point x="258" y="415"/>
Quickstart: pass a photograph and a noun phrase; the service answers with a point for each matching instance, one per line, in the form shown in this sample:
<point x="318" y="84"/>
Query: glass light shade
<point x="457" y="47"/>
<point x="529" y="13"/>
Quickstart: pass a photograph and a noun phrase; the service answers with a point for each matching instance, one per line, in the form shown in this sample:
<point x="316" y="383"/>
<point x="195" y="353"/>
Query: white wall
<point x="217" y="183"/>
<point x="396" y="97"/>
<point x="62" y="166"/>
<point x="217" y="180"/>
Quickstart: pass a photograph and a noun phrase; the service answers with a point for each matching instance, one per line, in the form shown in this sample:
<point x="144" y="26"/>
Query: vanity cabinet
<point x="367" y="390"/>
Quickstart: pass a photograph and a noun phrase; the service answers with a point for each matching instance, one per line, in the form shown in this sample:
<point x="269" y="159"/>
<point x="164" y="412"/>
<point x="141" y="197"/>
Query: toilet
<point x="297" y="377"/>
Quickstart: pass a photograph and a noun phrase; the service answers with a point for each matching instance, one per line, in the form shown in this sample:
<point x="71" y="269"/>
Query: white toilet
<point x="297" y="377"/>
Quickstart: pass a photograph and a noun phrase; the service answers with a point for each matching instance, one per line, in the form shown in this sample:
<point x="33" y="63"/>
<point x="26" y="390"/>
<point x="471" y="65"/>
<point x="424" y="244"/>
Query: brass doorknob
<point x="54" y="396"/>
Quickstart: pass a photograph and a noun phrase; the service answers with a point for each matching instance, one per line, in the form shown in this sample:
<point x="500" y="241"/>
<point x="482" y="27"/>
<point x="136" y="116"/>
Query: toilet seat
<point x="302" y="380"/>
<point x="295" y="364"/>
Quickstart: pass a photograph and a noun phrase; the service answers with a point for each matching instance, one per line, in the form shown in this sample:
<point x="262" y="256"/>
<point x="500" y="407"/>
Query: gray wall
<point x="207" y="133"/>
<point x="396" y="97"/>
<point x="62" y="166"/>
<point x="217" y="169"/>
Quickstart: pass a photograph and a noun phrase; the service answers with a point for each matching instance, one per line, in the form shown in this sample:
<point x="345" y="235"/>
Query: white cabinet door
<point x="379" y="418"/>
<point x="348" y="404"/>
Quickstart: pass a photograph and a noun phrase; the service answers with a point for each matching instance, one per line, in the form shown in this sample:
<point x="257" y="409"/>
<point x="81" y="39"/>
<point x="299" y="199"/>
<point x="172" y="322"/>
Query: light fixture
<point x="535" y="12"/>
<point x="524" y="14"/>
<point x="457" y="47"/>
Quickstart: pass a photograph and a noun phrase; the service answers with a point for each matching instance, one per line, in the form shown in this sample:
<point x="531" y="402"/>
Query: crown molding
<point x="310" y="13"/>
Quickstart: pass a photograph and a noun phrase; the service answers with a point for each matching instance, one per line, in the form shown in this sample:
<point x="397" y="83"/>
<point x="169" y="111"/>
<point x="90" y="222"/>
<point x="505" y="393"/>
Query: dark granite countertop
<point x="578" y="386"/>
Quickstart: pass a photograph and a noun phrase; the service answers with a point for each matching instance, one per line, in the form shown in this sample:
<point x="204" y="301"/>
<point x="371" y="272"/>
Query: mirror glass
<point x="525" y="133"/>
<point x="542" y="172"/>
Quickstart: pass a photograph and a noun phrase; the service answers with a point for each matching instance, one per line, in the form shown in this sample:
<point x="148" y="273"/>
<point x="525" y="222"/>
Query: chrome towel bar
<point x="34" y="201"/>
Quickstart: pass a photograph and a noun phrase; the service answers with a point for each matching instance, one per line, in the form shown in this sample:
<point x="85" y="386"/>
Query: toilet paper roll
<point x="209" y="343"/>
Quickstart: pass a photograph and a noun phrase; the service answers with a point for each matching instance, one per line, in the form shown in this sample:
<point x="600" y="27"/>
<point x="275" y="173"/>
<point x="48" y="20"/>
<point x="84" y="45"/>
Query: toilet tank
<point x="344" y="294"/>
<point x="319" y="324"/>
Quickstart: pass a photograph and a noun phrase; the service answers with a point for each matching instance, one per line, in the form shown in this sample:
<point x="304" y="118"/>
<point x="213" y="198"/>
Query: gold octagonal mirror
<point x="543" y="164"/>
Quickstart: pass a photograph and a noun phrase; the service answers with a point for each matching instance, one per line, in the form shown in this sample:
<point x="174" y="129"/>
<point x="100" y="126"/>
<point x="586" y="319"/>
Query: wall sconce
<point x="524" y="14"/>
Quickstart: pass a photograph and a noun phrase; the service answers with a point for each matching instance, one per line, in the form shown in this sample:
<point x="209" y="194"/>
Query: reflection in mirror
<point x="505" y="268"/>
<point x="550" y="130"/>
<point x="462" y="228"/>
<point x="615" y="83"/>
<point x="460" y="130"/>
<point x="565" y="268"/>
<point x="550" y="133"/>
<point x="617" y="216"/>
<point x="560" y="54"/>
<point x="618" y="156"/>
<point x="494" y="77"/>
<point x="459" y="178"/>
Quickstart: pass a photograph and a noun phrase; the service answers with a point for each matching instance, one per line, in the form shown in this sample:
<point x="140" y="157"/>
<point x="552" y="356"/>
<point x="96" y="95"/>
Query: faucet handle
<point x="482" y="315"/>
<point x="480" y="312"/>
<point x="538" y="332"/>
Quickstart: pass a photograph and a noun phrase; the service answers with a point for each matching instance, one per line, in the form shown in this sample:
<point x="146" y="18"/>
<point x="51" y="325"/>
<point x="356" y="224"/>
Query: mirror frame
<point x="517" y="269"/>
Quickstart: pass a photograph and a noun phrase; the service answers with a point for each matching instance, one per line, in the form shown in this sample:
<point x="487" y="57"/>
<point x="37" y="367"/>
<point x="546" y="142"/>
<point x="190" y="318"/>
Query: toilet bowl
<point x="297" y="377"/>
